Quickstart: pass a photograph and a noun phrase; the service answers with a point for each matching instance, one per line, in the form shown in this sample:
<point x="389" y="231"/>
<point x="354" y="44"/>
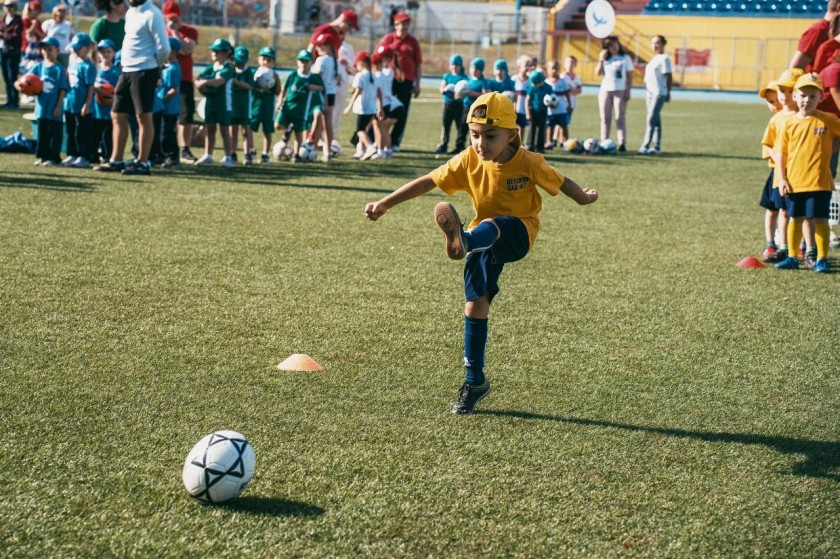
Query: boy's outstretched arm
<point x="580" y="195"/>
<point x="406" y="192"/>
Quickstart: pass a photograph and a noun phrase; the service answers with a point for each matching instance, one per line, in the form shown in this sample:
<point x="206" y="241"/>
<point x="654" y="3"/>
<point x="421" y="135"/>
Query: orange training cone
<point x="750" y="262"/>
<point x="299" y="362"/>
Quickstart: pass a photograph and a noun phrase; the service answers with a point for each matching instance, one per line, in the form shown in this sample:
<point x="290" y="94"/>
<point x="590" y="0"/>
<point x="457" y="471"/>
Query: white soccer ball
<point x="592" y="146"/>
<point x="219" y="467"/>
<point x="460" y="88"/>
<point x="607" y="146"/>
<point x="282" y="151"/>
<point x="335" y="148"/>
<point x="307" y="152"/>
<point x="551" y="100"/>
<point x="265" y="78"/>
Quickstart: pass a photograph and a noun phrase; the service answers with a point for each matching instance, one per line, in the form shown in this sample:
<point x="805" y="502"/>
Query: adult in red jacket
<point x="333" y="33"/>
<point x="409" y="61"/>
<point x="813" y="37"/>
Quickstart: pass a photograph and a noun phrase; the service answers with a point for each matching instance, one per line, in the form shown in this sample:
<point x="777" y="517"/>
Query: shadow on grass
<point x="822" y="458"/>
<point x="43" y="182"/>
<point x="267" y="506"/>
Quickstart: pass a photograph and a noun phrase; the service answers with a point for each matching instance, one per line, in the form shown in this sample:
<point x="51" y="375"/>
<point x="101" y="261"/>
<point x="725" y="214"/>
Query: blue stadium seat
<point x="749" y="8"/>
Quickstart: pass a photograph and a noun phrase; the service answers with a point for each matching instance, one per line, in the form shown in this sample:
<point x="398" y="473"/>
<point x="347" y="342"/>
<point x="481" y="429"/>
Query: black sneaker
<point x="622" y="148"/>
<point x="469" y="395"/>
<point x="110" y="167"/>
<point x="447" y="219"/>
<point x="264" y="158"/>
<point x="455" y="151"/>
<point x="188" y="157"/>
<point x="440" y="150"/>
<point x="138" y="168"/>
<point x="777" y="256"/>
<point x="810" y="260"/>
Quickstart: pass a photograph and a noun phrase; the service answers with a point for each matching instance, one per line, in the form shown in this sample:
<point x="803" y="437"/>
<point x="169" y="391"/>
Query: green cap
<point x="221" y="45"/>
<point x="241" y="54"/>
<point x="268" y="52"/>
<point x="304" y="54"/>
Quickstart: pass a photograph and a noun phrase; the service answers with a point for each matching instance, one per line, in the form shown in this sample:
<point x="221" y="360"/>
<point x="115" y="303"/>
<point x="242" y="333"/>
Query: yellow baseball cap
<point x="771" y="86"/>
<point x="789" y="77"/>
<point x="809" y="80"/>
<point x="493" y="109"/>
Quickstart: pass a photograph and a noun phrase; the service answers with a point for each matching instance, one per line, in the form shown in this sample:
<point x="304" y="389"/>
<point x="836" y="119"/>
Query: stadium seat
<point x="749" y="8"/>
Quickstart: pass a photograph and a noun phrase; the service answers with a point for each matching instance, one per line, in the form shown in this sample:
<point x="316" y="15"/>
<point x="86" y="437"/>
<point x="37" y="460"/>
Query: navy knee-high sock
<point x="482" y="236"/>
<point x="475" y="341"/>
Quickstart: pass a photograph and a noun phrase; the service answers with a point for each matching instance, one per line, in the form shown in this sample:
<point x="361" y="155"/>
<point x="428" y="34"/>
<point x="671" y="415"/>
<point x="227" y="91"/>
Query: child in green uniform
<point x="299" y="99"/>
<point x="216" y="84"/>
<point x="243" y="85"/>
<point x="262" y="99"/>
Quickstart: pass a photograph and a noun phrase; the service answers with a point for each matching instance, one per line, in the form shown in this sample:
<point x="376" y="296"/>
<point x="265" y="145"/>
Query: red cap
<point x="402" y="17"/>
<point x="35" y="5"/>
<point x="360" y="56"/>
<point x="375" y="58"/>
<point x="351" y="18"/>
<point x="171" y="9"/>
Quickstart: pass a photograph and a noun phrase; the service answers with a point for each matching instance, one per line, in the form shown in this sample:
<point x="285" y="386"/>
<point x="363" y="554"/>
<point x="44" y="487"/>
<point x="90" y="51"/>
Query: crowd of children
<point x="543" y="96"/>
<point x="799" y="145"/>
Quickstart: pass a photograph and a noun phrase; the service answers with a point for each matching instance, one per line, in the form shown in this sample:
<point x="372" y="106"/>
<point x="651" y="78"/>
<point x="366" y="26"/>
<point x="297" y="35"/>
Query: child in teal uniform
<point x="453" y="109"/>
<point x="215" y="82"/>
<point x="78" y="104"/>
<point x="537" y="112"/>
<point x="106" y="81"/>
<point x="263" y="100"/>
<point x="243" y="85"/>
<point x="477" y="86"/>
<point x="170" y="97"/>
<point x="48" y="103"/>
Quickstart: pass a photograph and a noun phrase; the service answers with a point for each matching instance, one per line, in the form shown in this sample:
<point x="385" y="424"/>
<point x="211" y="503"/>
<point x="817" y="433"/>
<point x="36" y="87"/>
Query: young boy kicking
<point x="500" y="177"/>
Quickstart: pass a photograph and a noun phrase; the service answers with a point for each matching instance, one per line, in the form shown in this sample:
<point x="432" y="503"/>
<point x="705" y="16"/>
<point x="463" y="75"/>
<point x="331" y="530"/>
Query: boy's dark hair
<point x="662" y="39"/>
<point x="104" y="5"/>
<point x="614" y="39"/>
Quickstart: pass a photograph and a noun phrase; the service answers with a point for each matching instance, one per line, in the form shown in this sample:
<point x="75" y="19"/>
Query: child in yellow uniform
<point x="771" y="199"/>
<point x="806" y="148"/>
<point x="501" y="179"/>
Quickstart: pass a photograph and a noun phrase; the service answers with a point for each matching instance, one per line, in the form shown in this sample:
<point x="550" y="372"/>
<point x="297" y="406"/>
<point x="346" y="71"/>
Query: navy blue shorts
<point x="561" y="119"/>
<point x="811" y="205"/>
<point x="521" y="120"/>
<point x="771" y="199"/>
<point x="482" y="269"/>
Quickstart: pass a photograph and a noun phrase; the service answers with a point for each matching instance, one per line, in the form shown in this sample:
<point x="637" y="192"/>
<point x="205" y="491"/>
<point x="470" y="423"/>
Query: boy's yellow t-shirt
<point x="773" y="139"/>
<point x="506" y="189"/>
<point x="807" y="141"/>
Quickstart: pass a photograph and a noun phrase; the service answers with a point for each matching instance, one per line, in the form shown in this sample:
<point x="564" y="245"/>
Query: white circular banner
<point x="600" y="18"/>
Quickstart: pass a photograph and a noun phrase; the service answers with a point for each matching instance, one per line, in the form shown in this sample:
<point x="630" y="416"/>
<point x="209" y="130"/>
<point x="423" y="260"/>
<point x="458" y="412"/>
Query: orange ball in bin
<point x="30" y="84"/>
<point x="105" y="94"/>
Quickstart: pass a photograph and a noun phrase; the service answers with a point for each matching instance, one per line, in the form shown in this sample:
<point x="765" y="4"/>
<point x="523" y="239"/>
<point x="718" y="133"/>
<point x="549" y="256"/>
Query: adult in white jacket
<point x="144" y="50"/>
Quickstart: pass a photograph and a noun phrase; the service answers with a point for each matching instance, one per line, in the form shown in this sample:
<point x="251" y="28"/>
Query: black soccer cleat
<point x="469" y="395"/>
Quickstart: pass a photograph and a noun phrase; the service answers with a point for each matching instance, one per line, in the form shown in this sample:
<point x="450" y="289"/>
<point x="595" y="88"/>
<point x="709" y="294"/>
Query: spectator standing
<point x="813" y="37"/>
<point x="409" y="60"/>
<point x="616" y="69"/>
<point x="827" y="50"/>
<point x="188" y="36"/>
<point x="112" y="24"/>
<point x="59" y="28"/>
<point x="145" y="49"/>
<point x="11" y="37"/>
<point x="658" y="82"/>
<point x="346" y="69"/>
<point x="32" y="32"/>
<point x="333" y="33"/>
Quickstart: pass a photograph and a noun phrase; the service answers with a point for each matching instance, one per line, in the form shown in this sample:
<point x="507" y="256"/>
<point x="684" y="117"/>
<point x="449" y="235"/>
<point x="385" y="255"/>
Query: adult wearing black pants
<point x="11" y="33"/>
<point x="409" y="61"/>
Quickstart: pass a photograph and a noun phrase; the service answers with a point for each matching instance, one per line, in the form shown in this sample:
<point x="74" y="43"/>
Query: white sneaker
<point x="358" y="154"/>
<point x="80" y="163"/>
<point x="205" y="159"/>
<point x="228" y="162"/>
<point x="371" y="151"/>
<point x="67" y="161"/>
<point x="643" y="151"/>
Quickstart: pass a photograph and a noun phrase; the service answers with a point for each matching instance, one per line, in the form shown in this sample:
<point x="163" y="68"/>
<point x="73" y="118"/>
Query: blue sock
<point x="475" y="340"/>
<point x="481" y="237"/>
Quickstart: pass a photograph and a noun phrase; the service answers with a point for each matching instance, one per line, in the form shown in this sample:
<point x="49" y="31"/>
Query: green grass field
<point x="650" y="398"/>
